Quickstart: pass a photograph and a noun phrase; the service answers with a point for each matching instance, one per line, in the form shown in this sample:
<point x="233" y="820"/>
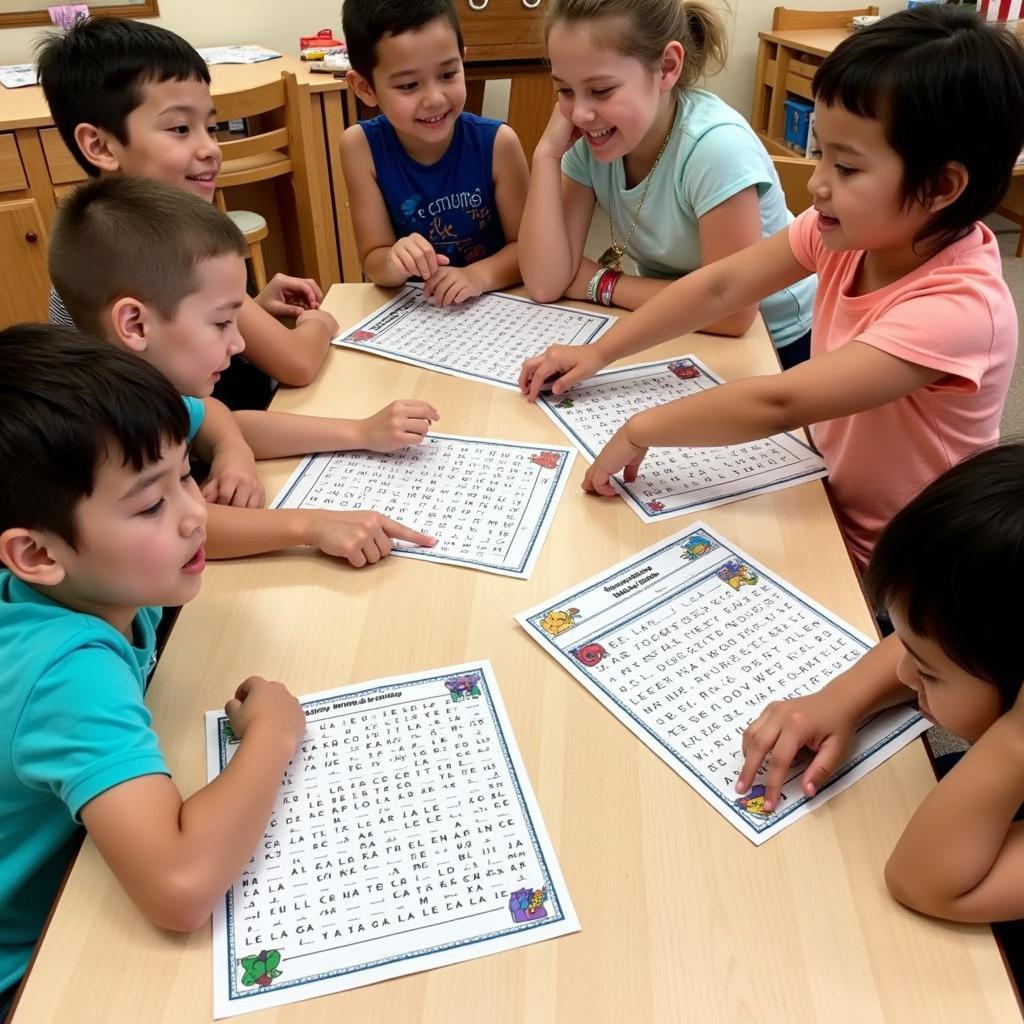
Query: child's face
<point x="418" y="82"/>
<point x="946" y="693"/>
<point x="856" y="185"/>
<point x="139" y="542"/>
<point x="194" y="347"/>
<point x="170" y="137"/>
<point x="613" y="99"/>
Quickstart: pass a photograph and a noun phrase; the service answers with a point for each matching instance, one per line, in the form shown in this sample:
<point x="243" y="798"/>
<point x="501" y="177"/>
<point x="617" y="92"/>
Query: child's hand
<point x="396" y="425"/>
<point x="414" y="256"/>
<point x="290" y="296"/>
<point x="558" y="368"/>
<point x="618" y="453"/>
<point x="260" y="705"/>
<point x="359" y="537"/>
<point x="320" y="316"/>
<point x="578" y="288"/>
<point x="817" y="722"/>
<point x="450" y="286"/>
<point x="233" y="479"/>
<point x="559" y="137"/>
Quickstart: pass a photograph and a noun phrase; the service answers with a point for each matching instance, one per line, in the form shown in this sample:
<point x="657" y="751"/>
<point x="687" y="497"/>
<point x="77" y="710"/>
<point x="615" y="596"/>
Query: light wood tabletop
<point x="682" y="918"/>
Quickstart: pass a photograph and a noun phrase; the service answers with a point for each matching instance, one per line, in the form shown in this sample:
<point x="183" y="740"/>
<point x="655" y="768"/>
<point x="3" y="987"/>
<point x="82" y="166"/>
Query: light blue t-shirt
<point x="711" y="156"/>
<point x="196" y="412"/>
<point x="72" y="725"/>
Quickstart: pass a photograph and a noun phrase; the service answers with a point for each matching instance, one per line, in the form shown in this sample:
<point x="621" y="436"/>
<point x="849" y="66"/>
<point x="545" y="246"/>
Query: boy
<point x="132" y="98"/>
<point x="436" y="193"/>
<point x="99" y="520"/>
<point x="160" y="273"/>
<point x="946" y="570"/>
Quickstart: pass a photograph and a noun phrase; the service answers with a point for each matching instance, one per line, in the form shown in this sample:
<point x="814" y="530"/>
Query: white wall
<point x="273" y="23"/>
<point x="278" y="25"/>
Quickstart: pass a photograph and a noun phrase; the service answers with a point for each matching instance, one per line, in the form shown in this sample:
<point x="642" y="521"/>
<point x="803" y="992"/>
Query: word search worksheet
<point x="406" y="836"/>
<point x="485" y="339"/>
<point x="676" y="481"/>
<point x="489" y="503"/>
<point x="686" y="643"/>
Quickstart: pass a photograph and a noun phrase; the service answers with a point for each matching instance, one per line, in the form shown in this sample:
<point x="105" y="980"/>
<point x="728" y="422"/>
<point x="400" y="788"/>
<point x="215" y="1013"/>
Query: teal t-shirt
<point x="196" y="411"/>
<point x="72" y="725"/>
<point x="711" y="155"/>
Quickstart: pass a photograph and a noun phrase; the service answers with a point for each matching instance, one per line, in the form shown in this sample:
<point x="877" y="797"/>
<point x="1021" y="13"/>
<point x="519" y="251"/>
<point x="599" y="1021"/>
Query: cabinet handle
<point x="531" y="5"/>
<point x="478" y="5"/>
<point x="31" y="237"/>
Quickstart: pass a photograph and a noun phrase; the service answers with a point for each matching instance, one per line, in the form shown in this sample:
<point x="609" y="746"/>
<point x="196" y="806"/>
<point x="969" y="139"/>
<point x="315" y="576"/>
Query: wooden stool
<point x="254" y="230"/>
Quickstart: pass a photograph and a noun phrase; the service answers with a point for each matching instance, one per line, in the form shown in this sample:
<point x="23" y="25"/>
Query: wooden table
<point x="683" y="919"/>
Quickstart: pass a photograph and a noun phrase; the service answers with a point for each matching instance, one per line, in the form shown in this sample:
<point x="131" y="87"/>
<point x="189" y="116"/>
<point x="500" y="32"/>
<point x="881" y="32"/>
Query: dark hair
<point x="70" y="401"/>
<point x="365" y="22"/>
<point x="94" y="72"/>
<point x="949" y="88"/>
<point x="950" y="562"/>
<point x="124" y="236"/>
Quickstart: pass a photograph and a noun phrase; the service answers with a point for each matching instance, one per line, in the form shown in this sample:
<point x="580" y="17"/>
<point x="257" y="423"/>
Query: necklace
<point x="612" y="256"/>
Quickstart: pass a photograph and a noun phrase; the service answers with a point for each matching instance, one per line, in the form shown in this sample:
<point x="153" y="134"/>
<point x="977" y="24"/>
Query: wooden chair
<point x="788" y="19"/>
<point x="268" y="152"/>
<point x="794" y="173"/>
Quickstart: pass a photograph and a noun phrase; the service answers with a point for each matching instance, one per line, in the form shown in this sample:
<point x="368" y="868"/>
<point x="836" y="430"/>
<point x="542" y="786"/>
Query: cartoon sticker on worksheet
<point x="753" y="802"/>
<point x="261" y="968"/>
<point x="546" y="460"/>
<point x="737" y="574"/>
<point x="684" y="369"/>
<point x="528" y="905"/>
<point x="558" y="622"/>
<point x="697" y="545"/>
<point x="589" y="654"/>
<point x="460" y="687"/>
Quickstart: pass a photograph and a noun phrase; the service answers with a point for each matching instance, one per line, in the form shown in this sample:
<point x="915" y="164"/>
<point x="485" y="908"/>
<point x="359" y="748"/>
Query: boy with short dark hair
<point x="132" y="98"/>
<point x="160" y="273"/>
<point x="100" y="524"/>
<point x="436" y="193"/>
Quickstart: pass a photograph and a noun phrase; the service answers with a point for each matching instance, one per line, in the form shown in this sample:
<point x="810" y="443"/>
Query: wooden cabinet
<point x="502" y="29"/>
<point x="24" y="281"/>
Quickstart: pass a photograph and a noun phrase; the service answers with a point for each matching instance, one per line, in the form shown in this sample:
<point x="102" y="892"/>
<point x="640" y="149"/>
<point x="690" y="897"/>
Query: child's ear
<point x="673" y="57"/>
<point x="129" y="320"/>
<point x="362" y="88"/>
<point x="31" y="557"/>
<point x="948" y="187"/>
<point x="95" y="145"/>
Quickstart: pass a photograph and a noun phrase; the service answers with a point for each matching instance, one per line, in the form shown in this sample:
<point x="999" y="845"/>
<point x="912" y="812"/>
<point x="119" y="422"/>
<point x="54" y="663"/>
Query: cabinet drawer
<point x="503" y="30"/>
<point x="12" y="174"/>
<point x="62" y="165"/>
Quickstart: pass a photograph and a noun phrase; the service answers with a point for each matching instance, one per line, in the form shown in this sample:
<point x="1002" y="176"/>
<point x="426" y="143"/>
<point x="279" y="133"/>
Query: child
<point x="161" y="273"/>
<point x="132" y="98"/>
<point x="679" y="174"/>
<point x="915" y="331"/>
<point x="436" y="193"/>
<point x="99" y="521"/>
<point x="946" y="569"/>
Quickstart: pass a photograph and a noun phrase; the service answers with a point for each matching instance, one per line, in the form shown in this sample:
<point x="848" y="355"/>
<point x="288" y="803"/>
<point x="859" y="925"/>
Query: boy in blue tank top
<point x="436" y="193"/>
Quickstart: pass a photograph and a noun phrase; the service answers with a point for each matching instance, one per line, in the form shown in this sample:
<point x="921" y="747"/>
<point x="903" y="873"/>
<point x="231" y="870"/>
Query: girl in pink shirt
<point x="919" y="118"/>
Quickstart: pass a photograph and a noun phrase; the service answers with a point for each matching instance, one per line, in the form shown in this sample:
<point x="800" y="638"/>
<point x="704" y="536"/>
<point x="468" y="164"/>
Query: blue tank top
<point x="451" y="202"/>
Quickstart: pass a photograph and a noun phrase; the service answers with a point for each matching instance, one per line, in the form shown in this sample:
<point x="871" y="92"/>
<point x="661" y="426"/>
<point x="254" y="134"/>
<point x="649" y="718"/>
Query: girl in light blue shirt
<point x="679" y="175"/>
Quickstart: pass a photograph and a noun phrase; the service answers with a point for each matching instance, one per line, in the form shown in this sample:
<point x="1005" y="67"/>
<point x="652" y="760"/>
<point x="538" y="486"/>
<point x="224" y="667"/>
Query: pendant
<point x="611" y="257"/>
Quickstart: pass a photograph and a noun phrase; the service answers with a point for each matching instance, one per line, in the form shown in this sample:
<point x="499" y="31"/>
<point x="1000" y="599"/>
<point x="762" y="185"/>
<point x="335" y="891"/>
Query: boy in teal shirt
<point x="100" y="523"/>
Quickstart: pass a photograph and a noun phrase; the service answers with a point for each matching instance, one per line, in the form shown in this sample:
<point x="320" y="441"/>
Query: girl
<point x="915" y="332"/>
<point x="679" y="174"/>
<point x="945" y="568"/>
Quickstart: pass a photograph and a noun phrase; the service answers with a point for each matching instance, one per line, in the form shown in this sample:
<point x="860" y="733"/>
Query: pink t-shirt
<point x="953" y="314"/>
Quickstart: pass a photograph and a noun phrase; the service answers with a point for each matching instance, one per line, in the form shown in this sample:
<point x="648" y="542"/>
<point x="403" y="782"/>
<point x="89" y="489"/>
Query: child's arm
<point x="386" y="261"/>
<point x="962" y="855"/>
<point x="848" y="380"/>
<point x="726" y="229"/>
<point x="555" y="220"/>
<point x="291" y="355"/>
<point x="233" y="478"/>
<point x="706" y="296"/>
<point x="824" y="722"/>
<point x="360" y="537"/>
<point x="452" y="285"/>
<point x="176" y="858"/>
<point x="275" y="435"/>
<point x="290" y="296"/>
